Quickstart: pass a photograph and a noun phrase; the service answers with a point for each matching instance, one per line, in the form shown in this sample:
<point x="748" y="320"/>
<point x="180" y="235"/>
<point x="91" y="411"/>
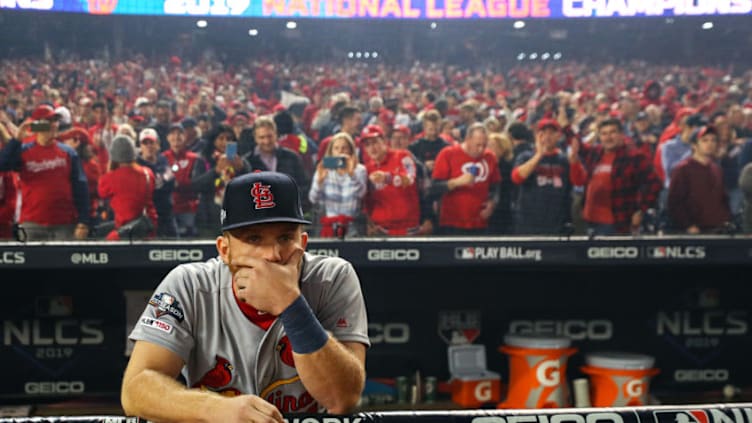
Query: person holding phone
<point x="467" y="178"/>
<point x="54" y="190"/>
<point x="338" y="187"/>
<point x="218" y="163"/>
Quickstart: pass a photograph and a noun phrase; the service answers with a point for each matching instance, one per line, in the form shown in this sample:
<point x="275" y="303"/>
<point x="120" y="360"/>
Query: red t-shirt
<point x="45" y="182"/>
<point x="390" y="206"/>
<point x="129" y="193"/>
<point x="597" y="207"/>
<point x="461" y="207"/>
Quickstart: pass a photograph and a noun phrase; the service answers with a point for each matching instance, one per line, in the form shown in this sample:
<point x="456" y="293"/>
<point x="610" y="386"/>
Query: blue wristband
<point x="303" y="329"/>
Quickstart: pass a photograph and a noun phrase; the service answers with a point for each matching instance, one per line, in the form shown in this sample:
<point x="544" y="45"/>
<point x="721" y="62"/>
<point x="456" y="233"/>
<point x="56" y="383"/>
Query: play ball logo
<point x="548" y="373"/>
<point x="681" y="416"/>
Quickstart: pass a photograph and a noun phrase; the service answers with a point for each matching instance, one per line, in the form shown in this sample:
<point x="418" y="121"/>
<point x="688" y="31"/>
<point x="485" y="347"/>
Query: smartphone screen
<point x="40" y="126"/>
<point x="231" y="150"/>
<point x="332" y="162"/>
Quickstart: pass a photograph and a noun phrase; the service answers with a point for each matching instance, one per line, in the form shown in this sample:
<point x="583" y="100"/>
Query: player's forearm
<point x="333" y="376"/>
<point x="157" y="397"/>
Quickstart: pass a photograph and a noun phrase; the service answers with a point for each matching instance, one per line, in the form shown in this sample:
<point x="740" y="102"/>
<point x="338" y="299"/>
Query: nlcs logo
<point x="262" y="196"/>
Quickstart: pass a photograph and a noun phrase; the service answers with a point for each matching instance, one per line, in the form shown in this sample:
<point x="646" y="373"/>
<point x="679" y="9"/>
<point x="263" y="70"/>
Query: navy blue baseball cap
<point x="261" y="197"/>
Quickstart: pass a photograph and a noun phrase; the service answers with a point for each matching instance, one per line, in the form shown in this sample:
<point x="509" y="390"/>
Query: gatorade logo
<point x="548" y="374"/>
<point x="635" y="388"/>
<point x="483" y="391"/>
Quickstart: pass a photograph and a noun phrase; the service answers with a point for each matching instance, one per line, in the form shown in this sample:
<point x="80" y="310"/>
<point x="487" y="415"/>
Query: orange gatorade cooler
<point x="537" y="371"/>
<point x="472" y="384"/>
<point x="619" y="379"/>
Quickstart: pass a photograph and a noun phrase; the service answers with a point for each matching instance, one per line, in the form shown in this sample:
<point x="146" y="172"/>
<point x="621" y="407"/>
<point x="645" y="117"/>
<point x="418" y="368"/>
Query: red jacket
<point x="390" y="206"/>
<point x="8" y="194"/>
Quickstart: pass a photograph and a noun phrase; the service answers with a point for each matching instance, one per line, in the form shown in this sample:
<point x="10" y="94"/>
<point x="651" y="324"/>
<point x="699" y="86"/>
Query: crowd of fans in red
<point x="136" y="149"/>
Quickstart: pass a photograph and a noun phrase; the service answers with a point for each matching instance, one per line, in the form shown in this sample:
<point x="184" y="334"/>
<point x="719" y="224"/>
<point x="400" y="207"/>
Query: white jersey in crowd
<point x="194" y="313"/>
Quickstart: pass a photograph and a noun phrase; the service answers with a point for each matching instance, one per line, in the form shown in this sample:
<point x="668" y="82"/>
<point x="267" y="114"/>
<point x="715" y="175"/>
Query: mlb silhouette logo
<point x="681" y="416"/>
<point x="464" y="253"/>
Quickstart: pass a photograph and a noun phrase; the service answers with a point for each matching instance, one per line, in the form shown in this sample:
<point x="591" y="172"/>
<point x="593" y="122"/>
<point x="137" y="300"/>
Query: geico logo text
<point x="710" y="323"/>
<point x="329" y="252"/>
<point x="60" y="332"/>
<point x="613" y="252"/>
<point x="548" y="374"/>
<point x="12" y="257"/>
<point x="389" y="333"/>
<point x="577" y="330"/>
<point x="176" y="255"/>
<point x="556" y="418"/>
<point x="56" y="387"/>
<point x="701" y="375"/>
<point x="394" y="255"/>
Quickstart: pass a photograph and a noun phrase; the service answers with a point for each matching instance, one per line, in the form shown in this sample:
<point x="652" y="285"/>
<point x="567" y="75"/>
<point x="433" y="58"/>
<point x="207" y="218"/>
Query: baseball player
<point x="261" y="330"/>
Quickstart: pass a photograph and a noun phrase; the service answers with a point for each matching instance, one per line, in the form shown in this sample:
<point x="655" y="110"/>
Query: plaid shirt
<point x="634" y="183"/>
<point x="340" y="194"/>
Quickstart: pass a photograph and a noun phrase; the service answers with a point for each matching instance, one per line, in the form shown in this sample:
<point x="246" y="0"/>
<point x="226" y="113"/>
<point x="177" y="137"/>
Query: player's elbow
<point x="345" y="404"/>
<point x="128" y="395"/>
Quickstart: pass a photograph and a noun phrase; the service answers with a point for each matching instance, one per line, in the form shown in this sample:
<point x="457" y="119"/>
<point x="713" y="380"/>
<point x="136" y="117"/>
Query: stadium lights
<point x="358" y="55"/>
<point x="545" y="56"/>
<point x="533" y="56"/>
<point x="434" y="25"/>
<point x="557" y="55"/>
<point x="350" y="55"/>
<point x="201" y="23"/>
<point x="521" y="56"/>
<point x="366" y="55"/>
<point x="291" y="24"/>
<point x="707" y="25"/>
<point x="519" y="24"/>
<point x="253" y="32"/>
<point x="375" y="54"/>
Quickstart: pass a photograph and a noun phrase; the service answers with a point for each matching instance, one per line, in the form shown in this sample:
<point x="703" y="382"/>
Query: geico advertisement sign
<point x="56" y="387"/>
<point x="176" y="255"/>
<point x="555" y="418"/>
<point x="701" y="375"/>
<point x="706" y="323"/>
<point x="575" y="329"/>
<point x="59" y="332"/>
<point x="626" y="253"/>
<point x="399" y="254"/>
<point x="12" y="257"/>
<point x="389" y="333"/>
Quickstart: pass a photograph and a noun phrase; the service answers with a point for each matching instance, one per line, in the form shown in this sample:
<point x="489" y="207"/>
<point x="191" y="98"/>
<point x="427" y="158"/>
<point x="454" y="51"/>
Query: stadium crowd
<point x="136" y="149"/>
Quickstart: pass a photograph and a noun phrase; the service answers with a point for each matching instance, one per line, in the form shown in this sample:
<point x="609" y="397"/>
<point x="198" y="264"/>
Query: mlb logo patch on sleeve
<point x="156" y="324"/>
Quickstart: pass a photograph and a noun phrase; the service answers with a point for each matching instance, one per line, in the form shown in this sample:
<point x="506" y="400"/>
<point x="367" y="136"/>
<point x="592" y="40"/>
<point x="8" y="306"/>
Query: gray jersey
<point x="194" y="313"/>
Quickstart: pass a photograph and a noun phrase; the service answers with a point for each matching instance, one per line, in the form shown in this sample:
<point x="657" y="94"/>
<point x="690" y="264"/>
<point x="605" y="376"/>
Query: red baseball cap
<point x="44" y="112"/>
<point x="548" y="123"/>
<point x="79" y="134"/>
<point x="372" y="131"/>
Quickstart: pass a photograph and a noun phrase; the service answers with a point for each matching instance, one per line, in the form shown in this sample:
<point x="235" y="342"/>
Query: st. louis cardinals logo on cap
<point x="263" y="198"/>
